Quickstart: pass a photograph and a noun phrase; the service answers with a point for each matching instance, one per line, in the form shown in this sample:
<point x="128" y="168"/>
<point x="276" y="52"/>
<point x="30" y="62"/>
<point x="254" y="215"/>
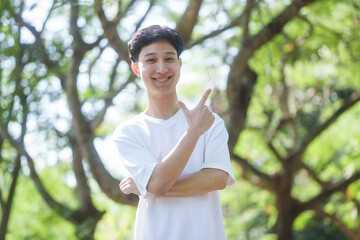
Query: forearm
<point x="167" y="171"/>
<point x="204" y="181"/>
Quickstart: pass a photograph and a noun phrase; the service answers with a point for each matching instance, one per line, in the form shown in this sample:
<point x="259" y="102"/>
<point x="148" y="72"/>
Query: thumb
<point x="182" y="106"/>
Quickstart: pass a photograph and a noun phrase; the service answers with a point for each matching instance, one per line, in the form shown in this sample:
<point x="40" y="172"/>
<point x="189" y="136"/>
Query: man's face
<point x="158" y="67"/>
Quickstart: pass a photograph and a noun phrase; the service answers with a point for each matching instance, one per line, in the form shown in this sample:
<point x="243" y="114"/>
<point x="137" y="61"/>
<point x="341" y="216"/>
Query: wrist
<point x="194" y="132"/>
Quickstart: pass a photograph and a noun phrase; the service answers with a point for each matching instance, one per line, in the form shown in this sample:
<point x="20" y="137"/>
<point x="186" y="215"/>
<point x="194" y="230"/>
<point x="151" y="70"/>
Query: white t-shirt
<point x="142" y="142"/>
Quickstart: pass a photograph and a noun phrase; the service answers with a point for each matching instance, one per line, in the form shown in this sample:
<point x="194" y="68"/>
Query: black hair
<point x="149" y="35"/>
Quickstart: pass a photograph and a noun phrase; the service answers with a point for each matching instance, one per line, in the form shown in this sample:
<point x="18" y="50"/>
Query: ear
<point x="180" y="62"/>
<point x="135" y="69"/>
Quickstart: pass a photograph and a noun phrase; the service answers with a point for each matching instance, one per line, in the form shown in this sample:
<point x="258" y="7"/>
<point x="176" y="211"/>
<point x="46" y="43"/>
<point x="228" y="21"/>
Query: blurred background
<point x="286" y="79"/>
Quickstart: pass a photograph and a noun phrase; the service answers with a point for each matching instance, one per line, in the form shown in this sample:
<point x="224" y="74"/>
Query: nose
<point x="161" y="67"/>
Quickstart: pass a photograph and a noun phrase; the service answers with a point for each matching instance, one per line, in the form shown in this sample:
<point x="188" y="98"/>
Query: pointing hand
<point x="200" y="118"/>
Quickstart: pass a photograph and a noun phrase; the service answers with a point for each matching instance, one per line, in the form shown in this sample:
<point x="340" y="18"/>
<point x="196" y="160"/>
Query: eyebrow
<point x="153" y="53"/>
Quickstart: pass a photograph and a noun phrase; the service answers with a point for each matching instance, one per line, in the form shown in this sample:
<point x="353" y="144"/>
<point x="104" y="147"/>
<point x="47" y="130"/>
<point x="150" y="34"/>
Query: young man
<point x="177" y="158"/>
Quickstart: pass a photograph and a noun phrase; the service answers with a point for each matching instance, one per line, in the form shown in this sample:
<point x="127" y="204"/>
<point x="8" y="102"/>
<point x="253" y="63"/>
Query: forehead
<point x="161" y="46"/>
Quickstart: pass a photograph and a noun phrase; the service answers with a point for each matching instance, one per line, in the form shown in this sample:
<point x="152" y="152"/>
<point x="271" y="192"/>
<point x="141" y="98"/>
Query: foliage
<point x="304" y="74"/>
<point x="33" y="219"/>
<point x="318" y="229"/>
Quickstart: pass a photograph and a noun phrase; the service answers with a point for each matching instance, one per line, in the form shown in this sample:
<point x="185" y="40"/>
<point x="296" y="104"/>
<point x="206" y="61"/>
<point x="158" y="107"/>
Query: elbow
<point x="216" y="179"/>
<point x="157" y="189"/>
<point x="159" y="192"/>
<point x="222" y="180"/>
<point x="221" y="186"/>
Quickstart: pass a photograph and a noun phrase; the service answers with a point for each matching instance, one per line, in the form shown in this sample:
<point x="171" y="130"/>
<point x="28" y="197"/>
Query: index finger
<point x="204" y="97"/>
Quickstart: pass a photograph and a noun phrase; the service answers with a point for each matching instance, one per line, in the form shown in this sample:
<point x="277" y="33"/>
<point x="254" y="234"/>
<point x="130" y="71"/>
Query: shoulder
<point x="130" y="126"/>
<point x="219" y="122"/>
<point x="217" y="129"/>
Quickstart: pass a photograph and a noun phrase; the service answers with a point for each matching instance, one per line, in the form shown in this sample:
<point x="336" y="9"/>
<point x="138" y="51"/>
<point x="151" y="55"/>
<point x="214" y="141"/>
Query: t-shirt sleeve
<point x="135" y="156"/>
<point x="216" y="152"/>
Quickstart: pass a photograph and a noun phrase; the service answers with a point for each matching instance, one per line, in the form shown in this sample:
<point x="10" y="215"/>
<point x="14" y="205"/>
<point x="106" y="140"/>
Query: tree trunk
<point x="7" y="208"/>
<point x="239" y="92"/>
<point x="285" y="218"/>
<point x="85" y="223"/>
<point x="286" y="206"/>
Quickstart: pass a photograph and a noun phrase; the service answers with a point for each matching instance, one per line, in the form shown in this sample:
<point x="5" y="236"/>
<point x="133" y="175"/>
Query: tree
<point x="264" y="45"/>
<point x="290" y="149"/>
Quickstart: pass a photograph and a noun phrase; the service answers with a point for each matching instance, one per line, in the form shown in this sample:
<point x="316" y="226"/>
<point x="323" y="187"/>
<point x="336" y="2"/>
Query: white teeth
<point x="161" y="79"/>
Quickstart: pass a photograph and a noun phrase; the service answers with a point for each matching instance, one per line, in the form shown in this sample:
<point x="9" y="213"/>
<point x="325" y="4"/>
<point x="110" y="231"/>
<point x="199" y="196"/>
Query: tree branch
<point x="336" y="222"/>
<point x="48" y="16"/>
<point x="131" y="3"/>
<point x="313" y="175"/>
<point x="111" y="33"/>
<point x="354" y="98"/>
<point x="40" y="47"/>
<point x="61" y="209"/>
<point x="83" y="132"/>
<point x="84" y="136"/>
<point x="271" y="134"/>
<point x="241" y="79"/>
<point x="260" y="179"/>
<point x="289" y="113"/>
<point x="138" y="24"/>
<point x="82" y="187"/>
<point x="277" y="24"/>
<point x="188" y="20"/>
<point x="340" y="186"/>
<point x="251" y="44"/>
<point x="6" y="207"/>
<point x="75" y="30"/>
<point x="275" y="152"/>
<point x="250" y="4"/>
<point x="113" y="91"/>
<point x="235" y="22"/>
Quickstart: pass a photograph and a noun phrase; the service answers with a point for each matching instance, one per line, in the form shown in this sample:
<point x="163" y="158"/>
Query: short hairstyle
<point x="149" y="35"/>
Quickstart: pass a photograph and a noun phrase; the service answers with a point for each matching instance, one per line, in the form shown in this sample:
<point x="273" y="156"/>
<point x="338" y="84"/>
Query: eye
<point x="150" y="60"/>
<point x="170" y="59"/>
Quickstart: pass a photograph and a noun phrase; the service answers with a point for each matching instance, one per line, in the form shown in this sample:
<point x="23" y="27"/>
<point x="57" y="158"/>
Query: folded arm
<point x="204" y="181"/>
<point x="168" y="170"/>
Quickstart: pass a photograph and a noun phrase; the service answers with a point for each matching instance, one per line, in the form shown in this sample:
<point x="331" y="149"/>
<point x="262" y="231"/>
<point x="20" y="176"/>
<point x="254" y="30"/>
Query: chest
<point x="161" y="140"/>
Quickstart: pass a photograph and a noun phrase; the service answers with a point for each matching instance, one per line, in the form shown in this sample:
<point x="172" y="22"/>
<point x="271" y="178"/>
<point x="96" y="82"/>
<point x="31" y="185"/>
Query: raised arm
<point x="168" y="170"/>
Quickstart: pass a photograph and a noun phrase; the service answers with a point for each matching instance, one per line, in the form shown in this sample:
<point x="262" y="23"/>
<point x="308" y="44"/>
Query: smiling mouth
<point x="162" y="79"/>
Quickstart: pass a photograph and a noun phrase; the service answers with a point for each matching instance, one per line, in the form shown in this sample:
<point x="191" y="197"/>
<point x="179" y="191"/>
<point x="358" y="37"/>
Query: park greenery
<point x="286" y="79"/>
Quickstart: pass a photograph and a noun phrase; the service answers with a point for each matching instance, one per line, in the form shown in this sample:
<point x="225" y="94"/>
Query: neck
<point x="163" y="107"/>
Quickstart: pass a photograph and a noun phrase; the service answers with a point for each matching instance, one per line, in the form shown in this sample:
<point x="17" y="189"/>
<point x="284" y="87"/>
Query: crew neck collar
<point x="159" y="120"/>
